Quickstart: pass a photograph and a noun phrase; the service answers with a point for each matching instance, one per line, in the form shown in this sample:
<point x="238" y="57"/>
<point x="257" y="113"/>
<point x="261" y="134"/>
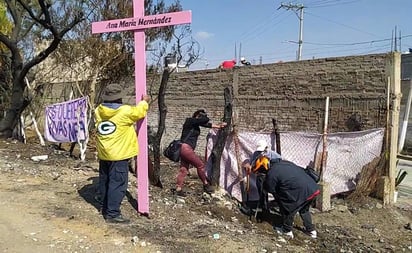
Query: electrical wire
<point x="261" y="24"/>
<point x="347" y="26"/>
<point x="329" y="51"/>
<point x="332" y="49"/>
<point x="330" y="3"/>
<point x="356" y="43"/>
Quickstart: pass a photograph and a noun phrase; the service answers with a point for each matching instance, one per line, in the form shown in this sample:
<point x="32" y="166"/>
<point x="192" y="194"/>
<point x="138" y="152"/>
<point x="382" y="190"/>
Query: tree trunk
<point x="277" y="136"/>
<point x="221" y="138"/>
<point x="17" y="103"/>
<point x="155" y="177"/>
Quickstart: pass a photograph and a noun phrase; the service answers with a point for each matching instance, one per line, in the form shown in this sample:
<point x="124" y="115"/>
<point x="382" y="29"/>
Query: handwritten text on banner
<point x="65" y="122"/>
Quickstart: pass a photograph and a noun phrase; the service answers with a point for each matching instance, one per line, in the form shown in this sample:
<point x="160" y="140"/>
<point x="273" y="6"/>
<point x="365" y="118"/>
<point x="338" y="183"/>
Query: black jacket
<point x="194" y="125"/>
<point x="289" y="184"/>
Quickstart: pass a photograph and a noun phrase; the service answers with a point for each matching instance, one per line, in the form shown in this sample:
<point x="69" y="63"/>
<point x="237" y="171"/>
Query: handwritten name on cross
<point x="138" y="24"/>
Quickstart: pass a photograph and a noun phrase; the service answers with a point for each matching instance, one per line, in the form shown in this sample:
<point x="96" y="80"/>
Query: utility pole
<point x="296" y="8"/>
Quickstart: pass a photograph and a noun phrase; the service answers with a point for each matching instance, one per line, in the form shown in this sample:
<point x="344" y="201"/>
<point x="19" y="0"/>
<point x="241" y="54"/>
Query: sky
<point x="265" y="31"/>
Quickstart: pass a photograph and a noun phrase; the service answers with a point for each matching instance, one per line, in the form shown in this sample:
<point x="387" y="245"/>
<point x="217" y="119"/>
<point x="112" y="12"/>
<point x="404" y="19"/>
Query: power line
<point x="347" y="44"/>
<point x="326" y="49"/>
<point x="259" y="28"/>
<point x="355" y="43"/>
<point x="262" y="30"/>
<point x="350" y="27"/>
<point x="330" y="3"/>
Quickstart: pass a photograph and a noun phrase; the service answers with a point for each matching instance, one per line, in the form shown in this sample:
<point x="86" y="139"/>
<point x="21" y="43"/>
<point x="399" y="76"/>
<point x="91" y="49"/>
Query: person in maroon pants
<point x="190" y="134"/>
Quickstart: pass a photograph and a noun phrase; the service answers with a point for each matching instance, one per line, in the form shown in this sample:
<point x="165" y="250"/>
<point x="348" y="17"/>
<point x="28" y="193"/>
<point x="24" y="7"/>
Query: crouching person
<point x="260" y="165"/>
<point x="294" y="191"/>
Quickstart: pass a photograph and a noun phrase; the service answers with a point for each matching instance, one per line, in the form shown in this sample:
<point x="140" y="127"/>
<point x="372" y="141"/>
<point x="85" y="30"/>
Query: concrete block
<point x="323" y="200"/>
<point x="383" y="190"/>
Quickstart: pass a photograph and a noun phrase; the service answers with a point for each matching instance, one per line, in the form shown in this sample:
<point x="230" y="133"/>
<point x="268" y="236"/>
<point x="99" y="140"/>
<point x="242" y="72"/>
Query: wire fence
<point x="347" y="153"/>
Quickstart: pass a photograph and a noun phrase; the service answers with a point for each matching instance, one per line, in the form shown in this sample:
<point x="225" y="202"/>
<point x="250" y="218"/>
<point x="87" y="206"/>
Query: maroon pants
<point x="189" y="157"/>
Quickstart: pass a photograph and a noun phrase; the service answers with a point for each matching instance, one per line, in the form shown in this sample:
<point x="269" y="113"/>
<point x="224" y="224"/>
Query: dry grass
<point x="367" y="183"/>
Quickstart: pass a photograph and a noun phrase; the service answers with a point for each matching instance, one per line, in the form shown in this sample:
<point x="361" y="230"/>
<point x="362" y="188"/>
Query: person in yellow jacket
<point x="116" y="144"/>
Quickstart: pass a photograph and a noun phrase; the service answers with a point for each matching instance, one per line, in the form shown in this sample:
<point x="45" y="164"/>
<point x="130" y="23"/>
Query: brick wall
<point x="294" y="93"/>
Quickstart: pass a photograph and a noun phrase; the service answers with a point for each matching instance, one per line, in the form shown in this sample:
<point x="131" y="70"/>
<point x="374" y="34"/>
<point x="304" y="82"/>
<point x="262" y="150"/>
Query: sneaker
<point x="118" y="219"/>
<point x="313" y="234"/>
<point x="281" y="231"/>
<point x="208" y="188"/>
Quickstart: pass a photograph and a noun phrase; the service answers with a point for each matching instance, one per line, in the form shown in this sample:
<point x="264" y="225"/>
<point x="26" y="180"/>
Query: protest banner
<point x="67" y="121"/>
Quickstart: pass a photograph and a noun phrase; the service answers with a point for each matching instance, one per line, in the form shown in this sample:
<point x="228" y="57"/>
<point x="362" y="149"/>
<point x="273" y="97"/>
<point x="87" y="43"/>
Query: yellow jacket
<point x="116" y="135"/>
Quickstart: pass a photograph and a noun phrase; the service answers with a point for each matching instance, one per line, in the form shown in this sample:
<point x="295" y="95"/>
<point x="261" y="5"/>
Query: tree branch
<point x="53" y="45"/>
<point x="31" y="13"/>
<point x="11" y="6"/>
<point x="45" y="10"/>
<point x="9" y="43"/>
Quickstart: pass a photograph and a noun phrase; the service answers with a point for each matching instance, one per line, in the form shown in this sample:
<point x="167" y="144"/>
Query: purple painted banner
<point x="67" y="121"/>
<point x="127" y="24"/>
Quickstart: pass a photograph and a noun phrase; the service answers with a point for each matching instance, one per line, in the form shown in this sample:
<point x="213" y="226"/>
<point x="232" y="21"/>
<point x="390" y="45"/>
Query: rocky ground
<point x="49" y="206"/>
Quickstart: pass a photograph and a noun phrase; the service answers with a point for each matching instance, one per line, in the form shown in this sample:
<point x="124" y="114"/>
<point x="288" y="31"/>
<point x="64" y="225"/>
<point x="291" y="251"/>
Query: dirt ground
<point x="49" y="206"/>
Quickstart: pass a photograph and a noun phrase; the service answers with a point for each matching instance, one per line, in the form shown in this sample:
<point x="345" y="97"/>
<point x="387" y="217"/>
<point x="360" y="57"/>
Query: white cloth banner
<point x="67" y="121"/>
<point x="347" y="153"/>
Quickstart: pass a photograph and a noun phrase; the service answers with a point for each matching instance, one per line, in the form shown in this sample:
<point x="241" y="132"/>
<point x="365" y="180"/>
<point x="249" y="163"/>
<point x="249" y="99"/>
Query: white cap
<point x="242" y="58"/>
<point x="262" y="145"/>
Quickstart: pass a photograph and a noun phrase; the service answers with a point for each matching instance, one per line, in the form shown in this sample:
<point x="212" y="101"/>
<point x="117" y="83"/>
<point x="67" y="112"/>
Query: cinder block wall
<point x="293" y="93"/>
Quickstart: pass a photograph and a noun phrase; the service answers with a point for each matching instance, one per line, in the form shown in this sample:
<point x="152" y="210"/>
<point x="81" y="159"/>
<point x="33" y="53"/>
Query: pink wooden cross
<point x="138" y="24"/>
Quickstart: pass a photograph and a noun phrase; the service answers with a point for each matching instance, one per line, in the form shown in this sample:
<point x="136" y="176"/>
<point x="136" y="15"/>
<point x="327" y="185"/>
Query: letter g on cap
<point x="106" y="127"/>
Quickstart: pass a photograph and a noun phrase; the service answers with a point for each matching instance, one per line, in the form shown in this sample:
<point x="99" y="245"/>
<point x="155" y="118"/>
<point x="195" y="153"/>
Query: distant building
<point x="406" y="79"/>
<point x="406" y="65"/>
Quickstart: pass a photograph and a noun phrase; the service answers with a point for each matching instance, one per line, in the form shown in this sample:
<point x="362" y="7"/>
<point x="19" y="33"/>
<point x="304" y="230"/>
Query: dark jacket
<point x="289" y="184"/>
<point x="194" y="123"/>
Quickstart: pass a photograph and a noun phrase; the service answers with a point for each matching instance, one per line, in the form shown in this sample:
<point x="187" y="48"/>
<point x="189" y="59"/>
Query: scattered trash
<point x="180" y="200"/>
<point x="39" y="158"/>
<point x="281" y="239"/>
<point x="234" y="219"/>
<point x="216" y="236"/>
<point x="135" y="239"/>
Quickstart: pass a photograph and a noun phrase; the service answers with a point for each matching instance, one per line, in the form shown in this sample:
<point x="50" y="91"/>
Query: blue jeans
<point x="113" y="178"/>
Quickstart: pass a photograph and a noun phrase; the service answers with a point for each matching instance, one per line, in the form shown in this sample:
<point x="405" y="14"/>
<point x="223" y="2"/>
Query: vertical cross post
<point x="138" y="23"/>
